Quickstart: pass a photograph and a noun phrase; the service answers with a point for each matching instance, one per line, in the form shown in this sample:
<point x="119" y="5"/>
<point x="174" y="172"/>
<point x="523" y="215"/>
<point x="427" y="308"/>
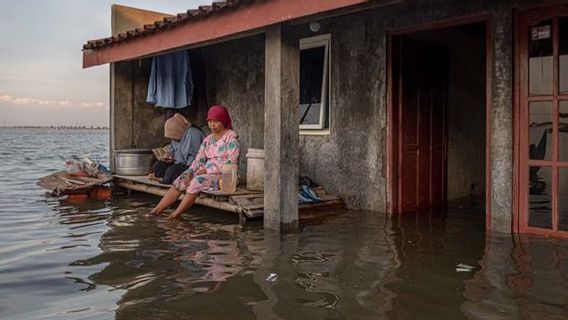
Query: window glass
<point x="540" y="130"/>
<point x="540" y="197"/>
<point x="563" y="199"/>
<point x="313" y="87"/>
<point x="563" y="131"/>
<point x="540" y="58"/>
<point x="563" y="54"/>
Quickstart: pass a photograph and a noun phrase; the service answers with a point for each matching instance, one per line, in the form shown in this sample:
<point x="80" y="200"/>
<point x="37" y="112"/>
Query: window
<point x="314" y="83"/>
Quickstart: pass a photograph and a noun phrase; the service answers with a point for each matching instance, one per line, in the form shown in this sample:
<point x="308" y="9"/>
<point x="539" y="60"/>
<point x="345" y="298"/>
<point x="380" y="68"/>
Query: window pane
<point x="563" y="199"/>
<point x="311" y="80"/>
<point x="540" y="203"/>
<point x="563" y="54"/>
<point x="540" y="58"/>
<point x="563" y="130"/>
<point x="540" y="130"/>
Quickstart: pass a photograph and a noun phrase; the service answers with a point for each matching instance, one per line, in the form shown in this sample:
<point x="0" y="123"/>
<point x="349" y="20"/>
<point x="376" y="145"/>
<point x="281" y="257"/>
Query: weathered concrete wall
<point x="148" y="121"/>
<point x="234" y="73"/>
<point x="351" y="160"/>
<point x="134" y="123"/>
<point x="121" y="105"/>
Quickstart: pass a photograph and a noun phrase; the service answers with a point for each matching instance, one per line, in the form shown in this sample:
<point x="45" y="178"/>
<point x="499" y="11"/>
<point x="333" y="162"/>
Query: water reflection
<point x="101" y="259"/>
<point x="522" y="277"/>
<point x="357" y="265"/>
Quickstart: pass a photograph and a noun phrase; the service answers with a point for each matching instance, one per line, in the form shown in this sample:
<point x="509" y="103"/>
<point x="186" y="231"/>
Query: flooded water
<point x="103" y="259"/>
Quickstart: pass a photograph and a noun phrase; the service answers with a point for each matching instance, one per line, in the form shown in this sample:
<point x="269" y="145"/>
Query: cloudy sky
<point x="41" y="78"/>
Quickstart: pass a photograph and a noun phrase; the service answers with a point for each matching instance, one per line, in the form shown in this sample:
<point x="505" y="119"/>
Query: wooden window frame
<point x="524" y="20"/>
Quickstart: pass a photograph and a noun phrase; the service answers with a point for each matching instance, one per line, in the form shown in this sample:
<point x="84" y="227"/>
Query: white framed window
<point x="314" y="83"/>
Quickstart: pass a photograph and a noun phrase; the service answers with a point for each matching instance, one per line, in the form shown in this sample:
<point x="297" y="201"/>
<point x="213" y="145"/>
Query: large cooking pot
<point x="133" y="162"/>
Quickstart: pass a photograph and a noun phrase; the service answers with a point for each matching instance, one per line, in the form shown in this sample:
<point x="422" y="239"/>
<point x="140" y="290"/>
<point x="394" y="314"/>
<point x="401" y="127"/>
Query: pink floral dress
<point x="212" y="155"/>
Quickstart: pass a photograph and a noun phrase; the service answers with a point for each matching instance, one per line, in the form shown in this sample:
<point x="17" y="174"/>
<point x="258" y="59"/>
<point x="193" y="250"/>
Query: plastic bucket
<point x="255" y="169"/>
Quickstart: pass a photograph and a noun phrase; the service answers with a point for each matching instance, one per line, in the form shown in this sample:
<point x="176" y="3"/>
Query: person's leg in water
<point x="202" y="181"/>
<point x="167" y="200"/>
<point x="172" y="195"/>
<point x="184" y="205"/>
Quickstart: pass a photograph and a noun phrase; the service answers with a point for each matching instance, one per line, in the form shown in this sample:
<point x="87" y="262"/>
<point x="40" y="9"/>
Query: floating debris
<point x="462" y="267"/>
<point x="272" y="277"/>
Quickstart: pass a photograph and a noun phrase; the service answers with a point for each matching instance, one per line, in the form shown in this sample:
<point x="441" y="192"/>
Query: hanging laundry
<point x="171" y="84"/>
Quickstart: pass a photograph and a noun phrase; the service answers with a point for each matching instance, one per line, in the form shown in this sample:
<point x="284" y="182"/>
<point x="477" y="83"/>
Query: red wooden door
<point x="422" y="125"/>
<point x="543" y="101"/>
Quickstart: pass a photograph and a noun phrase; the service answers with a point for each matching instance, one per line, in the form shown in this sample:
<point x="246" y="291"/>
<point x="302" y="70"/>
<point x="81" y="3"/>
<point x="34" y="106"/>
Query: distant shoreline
<point x="56" y="127"/>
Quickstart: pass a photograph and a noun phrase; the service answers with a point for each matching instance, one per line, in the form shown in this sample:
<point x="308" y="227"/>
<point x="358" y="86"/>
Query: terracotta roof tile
<point x="167" y="22"/>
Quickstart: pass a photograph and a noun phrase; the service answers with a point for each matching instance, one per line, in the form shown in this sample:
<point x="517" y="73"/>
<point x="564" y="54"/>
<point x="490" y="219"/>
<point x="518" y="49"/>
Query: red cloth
<point x="220" y="113"/>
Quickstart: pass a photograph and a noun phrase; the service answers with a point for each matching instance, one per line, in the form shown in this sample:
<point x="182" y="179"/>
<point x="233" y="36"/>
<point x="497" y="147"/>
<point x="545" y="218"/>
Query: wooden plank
<point x="132" y="185"/>
<point x="320" y="191"/>
<point x="144" y="180"/>
<point x="330" y="203"/>
<point x="249" y="202"/>
<point x="329" y="197"/>
<point x="240" y="191"/>
<point x="253" y="214"/>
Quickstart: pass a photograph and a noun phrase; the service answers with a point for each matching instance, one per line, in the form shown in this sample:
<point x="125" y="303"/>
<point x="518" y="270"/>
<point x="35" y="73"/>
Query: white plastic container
<point x="229" y="178"/>
<point x="255" y="169"/>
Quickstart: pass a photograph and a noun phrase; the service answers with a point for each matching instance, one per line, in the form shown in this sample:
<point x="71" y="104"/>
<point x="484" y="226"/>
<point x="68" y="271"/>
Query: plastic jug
<point x="229" y="178"/>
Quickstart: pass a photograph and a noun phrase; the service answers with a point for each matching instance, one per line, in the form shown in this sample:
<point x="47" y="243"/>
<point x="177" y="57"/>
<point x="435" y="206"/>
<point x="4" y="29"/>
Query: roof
<point x="216" y="22"/>
<point x="168" y="22"/>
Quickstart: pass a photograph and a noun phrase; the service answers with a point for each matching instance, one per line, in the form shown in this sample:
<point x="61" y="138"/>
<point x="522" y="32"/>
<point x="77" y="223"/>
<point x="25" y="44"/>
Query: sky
<point x="42" y="82"/>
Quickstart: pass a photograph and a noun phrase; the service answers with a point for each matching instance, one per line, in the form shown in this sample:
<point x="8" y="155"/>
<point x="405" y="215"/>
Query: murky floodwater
<point x="101" y="260"/>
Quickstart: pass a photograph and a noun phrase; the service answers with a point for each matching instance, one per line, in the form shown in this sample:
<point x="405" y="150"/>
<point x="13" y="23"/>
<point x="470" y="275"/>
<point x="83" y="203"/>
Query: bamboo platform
<point x="249" y="205"/>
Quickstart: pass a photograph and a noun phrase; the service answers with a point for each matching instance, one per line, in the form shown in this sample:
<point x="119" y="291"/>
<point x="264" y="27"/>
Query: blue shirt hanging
<point x="171" y="84"/>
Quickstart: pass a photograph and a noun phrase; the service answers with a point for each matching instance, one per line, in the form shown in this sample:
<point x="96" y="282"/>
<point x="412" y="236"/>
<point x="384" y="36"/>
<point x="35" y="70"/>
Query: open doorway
<point x="438" y="115"/>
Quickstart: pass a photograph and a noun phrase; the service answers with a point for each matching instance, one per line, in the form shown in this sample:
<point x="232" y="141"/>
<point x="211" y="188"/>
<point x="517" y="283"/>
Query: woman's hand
<point x="168" y="159"/>
<point x="186" y="177"/>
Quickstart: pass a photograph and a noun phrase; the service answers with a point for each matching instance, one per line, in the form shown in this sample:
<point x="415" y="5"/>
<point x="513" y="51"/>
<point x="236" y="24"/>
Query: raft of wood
<point x="61" y="183"/>
<point x="247" y="204"/>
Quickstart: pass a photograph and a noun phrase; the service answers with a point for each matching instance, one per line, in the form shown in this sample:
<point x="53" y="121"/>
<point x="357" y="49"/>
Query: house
<point x="402" y="105"/>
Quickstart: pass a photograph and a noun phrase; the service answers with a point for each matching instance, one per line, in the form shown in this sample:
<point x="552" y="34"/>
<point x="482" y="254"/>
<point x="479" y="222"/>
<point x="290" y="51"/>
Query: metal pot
<point x="133" y="162"/>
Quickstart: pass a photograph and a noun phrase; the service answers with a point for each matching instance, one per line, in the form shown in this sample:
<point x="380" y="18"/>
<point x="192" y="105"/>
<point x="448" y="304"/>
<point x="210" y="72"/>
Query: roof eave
<point x="210" y="28"/>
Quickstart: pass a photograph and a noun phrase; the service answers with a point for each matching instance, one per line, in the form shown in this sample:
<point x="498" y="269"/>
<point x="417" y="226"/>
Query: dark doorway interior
<point x="439" y="84"/>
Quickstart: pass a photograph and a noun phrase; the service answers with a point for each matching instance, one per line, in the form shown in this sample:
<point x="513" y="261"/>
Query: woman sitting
<point x="186" y="140"/>
<point x="219" y="148"/>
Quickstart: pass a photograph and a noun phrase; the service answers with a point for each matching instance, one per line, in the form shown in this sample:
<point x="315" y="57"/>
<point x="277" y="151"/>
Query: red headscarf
<point x="220" y="113"/>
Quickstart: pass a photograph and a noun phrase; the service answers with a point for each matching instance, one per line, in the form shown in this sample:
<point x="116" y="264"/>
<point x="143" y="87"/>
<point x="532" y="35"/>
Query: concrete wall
<point x="134" y="123"/>
<point x="234" y="73"/>
<point x="351" y="160"/>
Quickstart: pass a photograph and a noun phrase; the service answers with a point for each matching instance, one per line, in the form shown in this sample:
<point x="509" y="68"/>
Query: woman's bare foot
<point x="174" y="216"/>
<point x="153" y="213"/>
